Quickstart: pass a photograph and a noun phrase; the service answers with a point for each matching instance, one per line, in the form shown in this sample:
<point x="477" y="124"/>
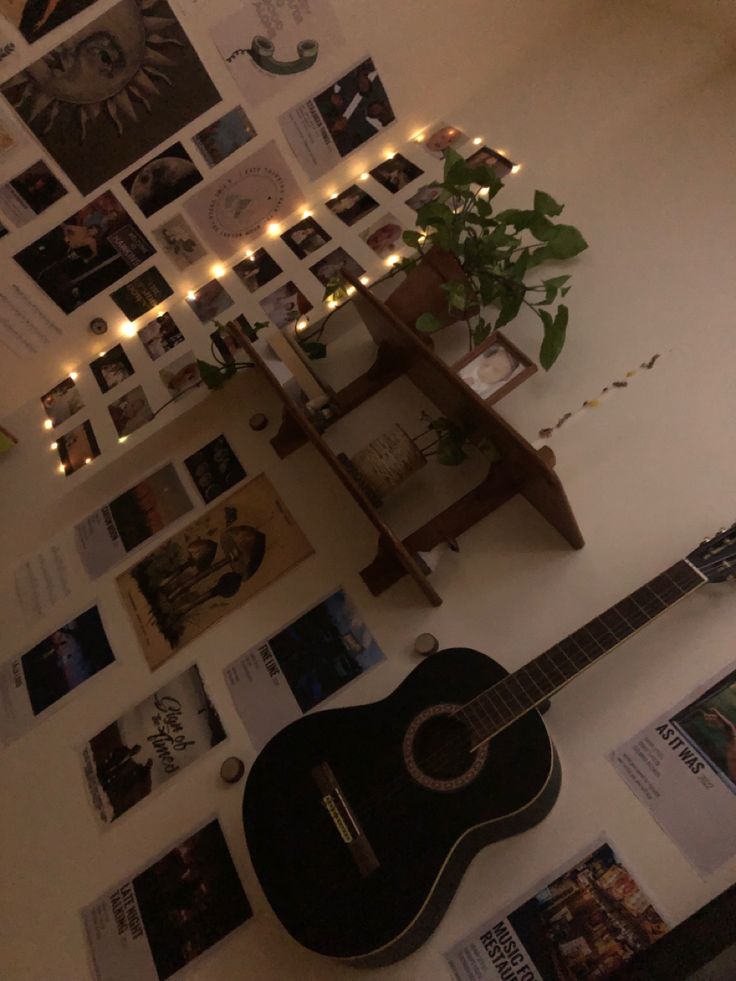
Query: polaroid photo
<point x="130" y="412"/>
<point x="285" y="305"/>
<point x="488" y="157"/>
<point x="177" y="241"/>
<point x="353" y="204"/>
<point x="494" y="368"/>
<point x="111" y="368"/>
<point x="305" y="237"/>
<point x="77" y="448"/>
<point x="214" y="469"/>
<point x="210" y="300"/>
<point x="62" y="402"/>
<point x="395" y="173"/>
<point x="442" y="139"/>
<point x="181" y="375"/>
<point x="223" y="137"/>
<point x="384" y="236"/>
<point x="159" y="336"/>
<point x="332" y="265"/>
<point x="425" y="195"/>
<point x="256" y="270"/>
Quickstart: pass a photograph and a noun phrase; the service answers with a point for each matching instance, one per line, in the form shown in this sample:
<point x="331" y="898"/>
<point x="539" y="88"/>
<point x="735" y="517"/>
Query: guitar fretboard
<point x="499" y="706"/>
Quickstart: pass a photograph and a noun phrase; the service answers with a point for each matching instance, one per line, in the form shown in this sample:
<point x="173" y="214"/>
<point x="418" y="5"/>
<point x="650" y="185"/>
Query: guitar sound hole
<point x="439" y="752"/>
<point x="442" y="748"/>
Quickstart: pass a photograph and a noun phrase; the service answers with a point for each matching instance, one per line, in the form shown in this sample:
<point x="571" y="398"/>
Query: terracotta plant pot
<point x="421" y="292"/>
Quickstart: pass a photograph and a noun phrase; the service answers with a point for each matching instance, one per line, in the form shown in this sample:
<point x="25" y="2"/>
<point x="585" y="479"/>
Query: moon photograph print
<point x="113" y="91"/>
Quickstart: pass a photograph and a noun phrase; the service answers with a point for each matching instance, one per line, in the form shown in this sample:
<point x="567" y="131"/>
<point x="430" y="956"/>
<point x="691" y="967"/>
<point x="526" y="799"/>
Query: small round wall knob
<point x="232" y="769"/>
<point x="258" y="422"/>
<point x="426" y="644"/>
<point x="98" y="326"/>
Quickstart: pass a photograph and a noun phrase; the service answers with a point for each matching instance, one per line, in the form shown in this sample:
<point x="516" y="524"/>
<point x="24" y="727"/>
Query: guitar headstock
<point x="716" y="557"/>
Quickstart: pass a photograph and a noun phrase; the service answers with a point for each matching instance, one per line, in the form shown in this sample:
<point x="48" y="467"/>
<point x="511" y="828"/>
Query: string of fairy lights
<point x="273" y="230"/>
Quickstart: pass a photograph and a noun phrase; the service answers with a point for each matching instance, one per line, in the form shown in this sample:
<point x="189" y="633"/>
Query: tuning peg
<point x="721" y="531"/>
<point x="706" y="540"/>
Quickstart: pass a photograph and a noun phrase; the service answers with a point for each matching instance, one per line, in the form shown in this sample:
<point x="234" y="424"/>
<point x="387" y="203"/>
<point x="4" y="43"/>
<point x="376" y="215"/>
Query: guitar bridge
<point x="345" y="822"/>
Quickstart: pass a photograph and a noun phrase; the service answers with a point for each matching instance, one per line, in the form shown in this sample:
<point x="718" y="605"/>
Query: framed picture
<point x="494" y="368"/>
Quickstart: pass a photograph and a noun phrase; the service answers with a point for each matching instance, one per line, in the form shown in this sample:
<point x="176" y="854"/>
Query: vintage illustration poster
<point x="107" y="535"/>
<point x="682" y="768"/>
<point x="178" y="242"/>
<point x="85" y="254"/>
<point x="210" y="568"/>
<point x="306" y="662"/>
<point x="34" y="682"/>
<point x="339" y="119"/>
<point x="162" y="180"/>
<point x="215" y="469"/>
<point x="113" y="91"/>
<point x="238" y="206"/>
<point x="34" y="20"/>
<point x="155" y="923"/>
<point x="148" y="745"/>
<point x="267" y="44"/>
<point x="586" y="921"/>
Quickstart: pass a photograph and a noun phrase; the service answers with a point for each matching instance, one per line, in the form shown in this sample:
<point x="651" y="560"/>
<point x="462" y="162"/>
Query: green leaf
<point x="427" y="323"/>
<point x="555" y="281"/>
<point x="566" y="242"/>
<point x="554" y="335"/>
<point x="451" y="158"/>
<point x="314" y="350"/>
<point x="211" y="375"/>
<point x="546" y="205"/>
<point x="457" y="295"/>
<point x="542" y="228"/>
<point x="481" y="331"/>
<point x="509" y="309"/>
<point x="485" y="176"/>
<point x="450" y="452"/>
<point x="434" y="214"/>
<point x="411" y="238"/>
<point x="565" y="290"/>
<point x="459" y="173"/>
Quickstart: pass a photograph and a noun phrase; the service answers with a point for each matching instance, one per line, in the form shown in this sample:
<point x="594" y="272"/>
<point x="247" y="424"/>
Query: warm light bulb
<point x="365" y="280"/>
<point x="364" y="176"/>
<point x="249" y="255"/>
<point x="418" y="137"/>
<point x="516" y="168"/>
<point x="61" y="468"/>
<point x="48" y="424"/>
<point x="390" y="154"/>
<point x="301" y="325"/>
<point x="484" y="192"/>
<point x="306" y="213"/>
<point x="128" y="329"/>
<point x="477" y="140"/>
<point x="218" y="270"/>
<point x="191" y="296"/>
<point x="54" y="446"/>
<point x="274" y="229"/>
<point x="88" y="459"/>
<point x="350" y="290"/>
<point x="392" y="260"/>
<point x="122" y="439"/>
<point x="102" y="354"/>
<point x="73" y="375"/>
<point x="422" y="238"/>
<point x="332" y="304"/>
<point x="332" y="196"/>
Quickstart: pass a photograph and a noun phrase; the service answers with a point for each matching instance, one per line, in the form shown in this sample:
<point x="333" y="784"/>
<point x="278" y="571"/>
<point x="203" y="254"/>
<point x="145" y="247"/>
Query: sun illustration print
<point x="118" y="70"/>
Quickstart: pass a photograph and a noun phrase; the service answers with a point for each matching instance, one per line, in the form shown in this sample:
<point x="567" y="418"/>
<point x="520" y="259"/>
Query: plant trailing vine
<point x="496" y="252"/>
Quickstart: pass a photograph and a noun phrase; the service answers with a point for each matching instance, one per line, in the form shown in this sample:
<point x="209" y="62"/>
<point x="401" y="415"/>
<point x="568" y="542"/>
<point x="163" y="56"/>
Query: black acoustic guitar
<point x="361" y="821"/>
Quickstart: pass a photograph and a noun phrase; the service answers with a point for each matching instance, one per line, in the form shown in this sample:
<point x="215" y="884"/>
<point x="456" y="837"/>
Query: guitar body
<point x="361" y="821"/>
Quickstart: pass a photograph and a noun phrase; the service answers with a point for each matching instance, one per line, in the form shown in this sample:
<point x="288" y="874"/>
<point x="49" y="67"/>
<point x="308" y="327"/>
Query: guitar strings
<point x="399" y="784"/>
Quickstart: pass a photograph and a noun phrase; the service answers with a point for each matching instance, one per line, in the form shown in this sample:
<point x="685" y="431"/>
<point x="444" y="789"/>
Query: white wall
<point x="623" y="112"/>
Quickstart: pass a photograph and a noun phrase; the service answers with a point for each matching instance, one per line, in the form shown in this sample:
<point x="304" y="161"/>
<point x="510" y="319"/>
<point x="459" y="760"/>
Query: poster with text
<point x="586" y="921"/>
<point x="210" y="568"/>
<point x="34" y="682"/>
<point x="150" y="744"/>
<point x="268" y="44"/>
<point x="299" y="667"/>
<point x="153" y="924"/>
<point x="682" y="767"/>
<point x="85" y="254"/>
<point x="44" y="579"/>
<point x="107" y="535"/>
<point x="236" y="207"/>
<point x="113" y="91"/>
<point x="339" y="119"/>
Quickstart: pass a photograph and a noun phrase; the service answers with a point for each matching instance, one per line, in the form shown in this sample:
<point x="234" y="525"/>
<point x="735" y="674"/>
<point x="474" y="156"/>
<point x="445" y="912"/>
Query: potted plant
<point x="470" y="256"/>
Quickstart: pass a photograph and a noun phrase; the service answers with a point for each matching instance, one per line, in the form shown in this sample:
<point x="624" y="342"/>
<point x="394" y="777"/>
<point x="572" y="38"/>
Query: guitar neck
<point x="497" y="707"/>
